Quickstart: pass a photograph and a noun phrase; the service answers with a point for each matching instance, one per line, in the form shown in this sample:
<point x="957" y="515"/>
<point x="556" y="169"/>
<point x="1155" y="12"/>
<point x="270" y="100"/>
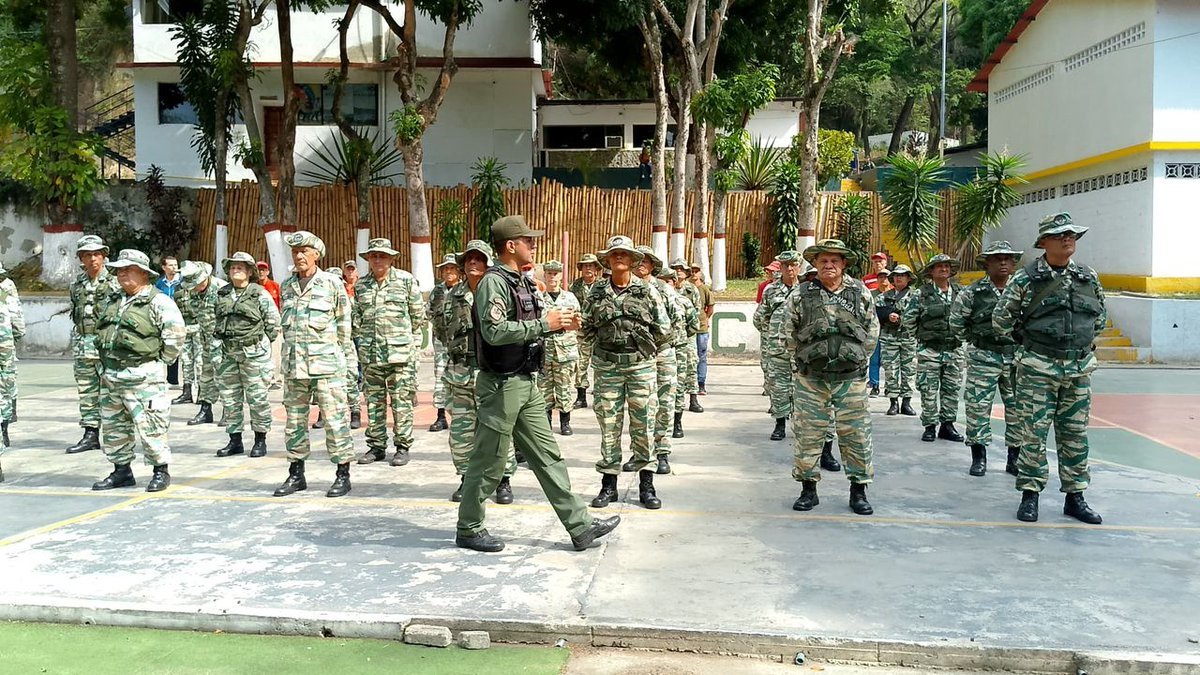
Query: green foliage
<point x="488" y="181"/>
<point x="751" y="252"/>
<point x="835" y="151"/>
<point x="983" y="202"/>
<point x="407" y="124"/>
<point x="785" y="206"/>
<point x="854" y="214"/>
<point x="728" y="104"/>
<point x="450" y="221"/>
<point x="910" y="197"/>
<point x="249" y="154"/>
<point x="756" y="169"/>
<point x="342" y="160"/>
<point x="119" y="234"/>
<point x="171" y="232"/>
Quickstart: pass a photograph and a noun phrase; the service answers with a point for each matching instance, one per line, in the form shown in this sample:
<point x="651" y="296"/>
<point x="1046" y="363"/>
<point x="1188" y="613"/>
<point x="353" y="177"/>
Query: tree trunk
<point x="62" y="229"/>
<point x="809" y="194"/>
<point x="683" y="123"/>
<point x="652" y="36"/>
<point x="704" y="139"/>
<point x="291" y="114"/>
<point x="268" y="218"/>
<point x="719" y="249"/>
<point x="901" y="124"/>
<point x="420" y="242"/>
<point x="934" y="148"/>
<point x="220" y="154"/>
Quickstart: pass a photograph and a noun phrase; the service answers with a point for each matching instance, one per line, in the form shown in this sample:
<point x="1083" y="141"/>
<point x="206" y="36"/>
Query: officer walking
<point x="91" y="292"/>
<point x="202" y="288"/>
<point x="589" y="273"/>
<point x="1054" y="307"/>
<point x="451" y="273"/>
<point x="562" y="351"/>
<point x="509" y="327"/>
<point x="939" y="360"/>
<point x="666" y="370"/>
<point x="138" y="334"/>
<point x="898" y="350"/>
<point x="246" y="323"/>
<point x="779" y="360"/>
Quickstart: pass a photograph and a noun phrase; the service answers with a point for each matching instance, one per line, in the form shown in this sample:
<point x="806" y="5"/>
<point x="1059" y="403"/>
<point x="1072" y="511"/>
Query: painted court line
<point x="1190" y="453"/>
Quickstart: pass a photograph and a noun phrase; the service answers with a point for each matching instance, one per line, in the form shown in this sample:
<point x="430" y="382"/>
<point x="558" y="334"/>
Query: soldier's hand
<point x="555" y="320"/>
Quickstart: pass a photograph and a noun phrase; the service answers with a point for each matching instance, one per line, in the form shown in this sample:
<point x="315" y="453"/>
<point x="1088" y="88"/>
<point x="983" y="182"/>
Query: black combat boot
<point x="341" y="481"/>
<point x="1028" y="510"/>
<point x="780" y="429"/>
<point x="456" y="496"/>
<point x="203" y="416"/>
<point x="400" y="457"/>
<point x="948" y="433"/>
<point x="90" y="441"/>
<point x="978" y="459"/>
<point x="608" y="491"/>
<point x="1011" y="465"/>
<point x="930" y="434"/>
<point x="122" y="476"/>
<point x="184" y="396"/>
<point x="906" y="407"/>
<point x="581" y="400"/>
<point x="646" y="493"/>
<point x="550" y="416"/>
<point x="894" y="408"/>
<point x="828" y="461"/>
<point x="518" y="456"/>
<point x="564" y="424"/>
<point x="694" y="405"/>
<point x="480" y="541"/>
<point x="355" y="417"/>
<point x="664" y="466"/>
<point x="1076" y="507"/>
<point x="808" y="496"/>
<point x="259" y="449"/>
<point x="677" y="432"/>
<point x="320" y="423"/>
<point x="440" y="423"/>
<point x="161" y="479"/>
<point x="504" y="493"/>
<point x="372" y="455"/>
<point x="599" y="528"/>
<point x="295" y="481"/>
<point x="629" y="466"/>
<point x="874" y="391"/>
<point x="4" y="433"/>
<point x="233" y="447"/>
<point x="1" y="474"/>
<point x="858" y="499"/>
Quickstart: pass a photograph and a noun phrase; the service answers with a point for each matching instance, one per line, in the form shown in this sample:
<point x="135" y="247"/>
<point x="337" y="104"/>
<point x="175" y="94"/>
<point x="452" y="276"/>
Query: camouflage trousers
<point x="762" y="365"/>
<point x="8" y="384"/>
<point x="666" y="381"/>
<point x="988" y="371"/>
<point x="779" y="385"/>
<point x="188" y="361"/>
<point x="245" y="376"/>
<point x="818" y="404"/>
<point x="899" y="357"/>
<point x="129" y="411"/>
<point x="557" y="380"/>
<point x="583" y="376"/>
<point x="440" y="359"/>
<point x="210" y="358"/>
<point x="87" y="382"/>
<point x="353" y="390"/>
<point x="685" y="360"/>
<point x="459" y="380"/>
<point x="392" y="382"/>
<point x="621" y="387"/>
<point x="939" y="379"/>
<point x="1057" y="392"/>
<point x="330" y="396"/>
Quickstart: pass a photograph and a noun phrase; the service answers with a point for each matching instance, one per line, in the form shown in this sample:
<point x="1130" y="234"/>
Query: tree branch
<point x="384" y="12"/>
<point x="669" y="20"/>
<point x="433" y="102"/>
<point x="344" y="73"/>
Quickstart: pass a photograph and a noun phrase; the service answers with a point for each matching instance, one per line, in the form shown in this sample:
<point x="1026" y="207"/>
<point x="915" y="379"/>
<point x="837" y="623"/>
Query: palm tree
<point x="910" y="197"/>
<point x="983" y="202"/>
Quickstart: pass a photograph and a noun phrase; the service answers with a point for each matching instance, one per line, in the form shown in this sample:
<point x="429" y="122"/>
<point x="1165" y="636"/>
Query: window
<point x="360" y="104"/>
<point x="645" y="132"/>
<point x="173" y="108"/>
<point x="169" y="11"/>
<point x="579" y="136"/>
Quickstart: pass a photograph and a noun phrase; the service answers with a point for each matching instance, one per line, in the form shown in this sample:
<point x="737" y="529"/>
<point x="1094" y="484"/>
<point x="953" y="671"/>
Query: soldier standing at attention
<point x="990" y="359"/>
<point x="707" y="303"/>
<point x="939" y="360"/>
<point x="508" y="330"/>
<point x="246" y="323"/>
<point x="772" y="273"/>
<point x="562" y="351"/>
<point x="627" y="324"/>
<point x="139" y="333"/>
<point x="690" y="362"/>
<point x="832" y="329"/>
<point x="898" y="342"/>
<point x="589" y="273"/>
<point x="317" y="355"/>
<point x="687" y="326"/>
<point x="666" y="371"/>
<point x="451" y="273"/>
<point x="354" y="380"/>
<point x="1055" y="309"/>
<point x="202" y="287"/>
<point x="12" y="329"/>
<point x="189" y="356"/>
<point x="779" y="360"/>
<point x="876" y="282"/>
<point x="91" y="292"/>
<point x="272" y="289"/>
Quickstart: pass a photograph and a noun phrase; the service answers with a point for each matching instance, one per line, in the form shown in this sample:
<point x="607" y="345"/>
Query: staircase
<point x="1113" y="347"/>
<point x="112" y="120"/>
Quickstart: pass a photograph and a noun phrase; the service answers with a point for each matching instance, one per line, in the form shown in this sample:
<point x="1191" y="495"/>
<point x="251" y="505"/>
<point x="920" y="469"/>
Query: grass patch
<point x="100" y="650"/>
<point x="740" y="289"/>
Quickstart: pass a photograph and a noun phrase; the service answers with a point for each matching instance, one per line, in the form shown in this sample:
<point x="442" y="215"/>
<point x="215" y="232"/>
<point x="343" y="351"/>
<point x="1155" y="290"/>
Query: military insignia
<point x="497" y="312"/>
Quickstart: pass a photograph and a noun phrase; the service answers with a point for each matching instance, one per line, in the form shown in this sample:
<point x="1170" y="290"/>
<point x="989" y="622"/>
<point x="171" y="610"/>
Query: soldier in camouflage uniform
<point x="91" y="292"/>
<point x="939" y="360"/>
<point x="628" y="324"/>
<point x="685" y="330"/>
<point x="666" y="369"/>
<point x="246" y="323"/>
<point x="691" y="359"/>
<point x="898" y="342"/>
<point x="1054" y="308"/>
<point x="139" y="333"/>
<point x="561" y="361"/>
<point x="202" y="288"/>
<point x="773" y="340"/>
<point x="12" y="329"/>
<point x="353" y="379"/>
<point x="451" y="274"/>
<point x="318" y="352"/>
<point x="831" y="330"/>
<point x="189" y="359"/>
<point x="589" y="274"/>
<point x="389" y="316"/>
<point x="989" y="358"/>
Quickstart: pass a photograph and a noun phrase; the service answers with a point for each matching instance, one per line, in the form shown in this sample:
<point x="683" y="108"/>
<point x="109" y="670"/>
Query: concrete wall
<point x="1167" y="327"/>
<point x="1176" y="96"/>
<point x="1175" y="216"/>
<point x="20" y="231"/>
<point x="47" y="325"/>
<point x="776" y="124"/>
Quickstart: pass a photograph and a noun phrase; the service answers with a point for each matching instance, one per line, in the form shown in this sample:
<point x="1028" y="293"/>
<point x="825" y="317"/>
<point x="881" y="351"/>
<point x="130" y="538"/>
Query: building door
<point x="272" y="128"/>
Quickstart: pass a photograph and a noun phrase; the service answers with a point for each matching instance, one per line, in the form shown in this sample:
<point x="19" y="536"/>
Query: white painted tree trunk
<point x="422" y="267"/>
<point x="700" y="255"/>
<point x="658" y="242"/>
<point x="421" y="245"/>
<point x="679" y="180"/>
<point x="59" y="263"/>
<point x="720" y="265"/>
<point x="281" y="258"/>
<point x="220" y="248"/>
<point x="700" y="207"/>
<point x="362" y="238"/>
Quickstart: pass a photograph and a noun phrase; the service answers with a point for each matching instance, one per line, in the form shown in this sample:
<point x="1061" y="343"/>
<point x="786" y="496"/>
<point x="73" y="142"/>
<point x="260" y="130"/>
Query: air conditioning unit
<point x="614" y="142"/>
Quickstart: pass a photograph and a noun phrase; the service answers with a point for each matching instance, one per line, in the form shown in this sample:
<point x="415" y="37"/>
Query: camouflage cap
<point x="478" y="246"/>
<point x="807" y="269"/>
<point x="130" y="257"/>
<point x="1058" y="223"/>
<point x="900" y="269"/>
<point x="937" y="260"/>
<point x="666" y="273"/>
<point x="679" y="264"/>
<point x="192" y="273"/>
<point x="335" y="271"/>
<point x="447" y="260"/>
<point x="830" y="246"/>
<point x="379" y="245"/>
<point x="244" y="258"/>
<point x="90" y="242"/>
<point x="552" y="266"/>
<point x="588" y="259"/>
<point x="788" y="257"/>
<point x="998" y="248"/>
<point x="350" y="263"/>
<point x="648" y="252"/>
<point x="620" y="243"/>
<point x="512" y="227"/>
<point x="301" y="238"/>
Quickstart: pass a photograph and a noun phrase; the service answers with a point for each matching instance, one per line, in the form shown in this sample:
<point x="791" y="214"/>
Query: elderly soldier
<point x="898" y="339"/>
<point x="562" y="351"/>
<point x="686" y="327"/>
<point x="202" y="288"/>
<point x="508" y="329"/>
<point x="353" y="390"/>
<point x="389" y="316"/>
<point x="317" y="355"/>
<point x="989" y="362"/>
<point x="666" y="370"/>
<point x="91" y="292"/>
<point x="1055" y="309"/>
<point x="138" y="334"/>
<point x="832" y="329"/>
<point x="627" y="324"/>
<point x="12" y="329"/>
<point x="779" y="362"/>
<point x="246" y="323"/>
<point x="451" y="274"/>
<point x="589" y="274"/>
<point x="939" y="360"/>
<point x="189" y="356"/>
<point x="691" y="359"/>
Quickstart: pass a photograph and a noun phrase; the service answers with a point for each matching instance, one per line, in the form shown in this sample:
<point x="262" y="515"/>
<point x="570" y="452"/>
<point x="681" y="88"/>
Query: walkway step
<point x="1113" y="342"/>
<point x="1123" y="354"/>
<point x="1110" y="332"/>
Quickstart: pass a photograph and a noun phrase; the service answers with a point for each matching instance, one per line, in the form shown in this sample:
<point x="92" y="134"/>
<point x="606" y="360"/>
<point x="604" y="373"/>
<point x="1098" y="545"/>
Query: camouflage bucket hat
<point x="1058" y="223"/>
<point x="620" y="243"/>
<point x="830" y="246"/>
<point x="587" y="259"/>
<point x="449" y="259"/>
<point x="807" y="269"/>
<point x="788" y="257"/>
<point x="998" y="248"/>
<point x="90" y="242"/>
<point x="193" y="273"/>
<point x="937" y="259"/>
<point x="350" y="263"/>
<point x="552" y="266"/>
<point x="302" y="238"/>
<point x="666" y="273"/>
<point x="900" y="269"/>
<point x="379" y="245"/>
<point x="478" y="246"/>
<point x="648" y="252"/>
<point x="244" y="258"/>
<point x="679" y="264"/>
<point x="133" y="258"/>
<point x="335" y="271"/>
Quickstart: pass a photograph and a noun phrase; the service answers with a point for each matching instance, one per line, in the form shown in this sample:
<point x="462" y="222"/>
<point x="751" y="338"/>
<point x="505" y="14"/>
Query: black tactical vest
<point x="933" y="321"/>
<point x="1063" y="323"/>
<point x="980" y="331"/>
<point x="518" y="358"/>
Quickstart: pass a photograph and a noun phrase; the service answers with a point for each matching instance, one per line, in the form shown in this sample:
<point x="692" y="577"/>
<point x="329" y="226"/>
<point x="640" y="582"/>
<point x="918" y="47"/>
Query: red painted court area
<point x="1168" y="419"/>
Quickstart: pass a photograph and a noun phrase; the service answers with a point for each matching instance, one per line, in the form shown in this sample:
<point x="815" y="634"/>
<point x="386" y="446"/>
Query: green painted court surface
<point x="95" y="650"/>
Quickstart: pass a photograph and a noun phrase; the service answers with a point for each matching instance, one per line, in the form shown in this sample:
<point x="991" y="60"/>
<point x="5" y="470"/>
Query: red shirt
<point x="761" y="288"/>
<point x="273" y="289"/>
<point x="871" y="281"/>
